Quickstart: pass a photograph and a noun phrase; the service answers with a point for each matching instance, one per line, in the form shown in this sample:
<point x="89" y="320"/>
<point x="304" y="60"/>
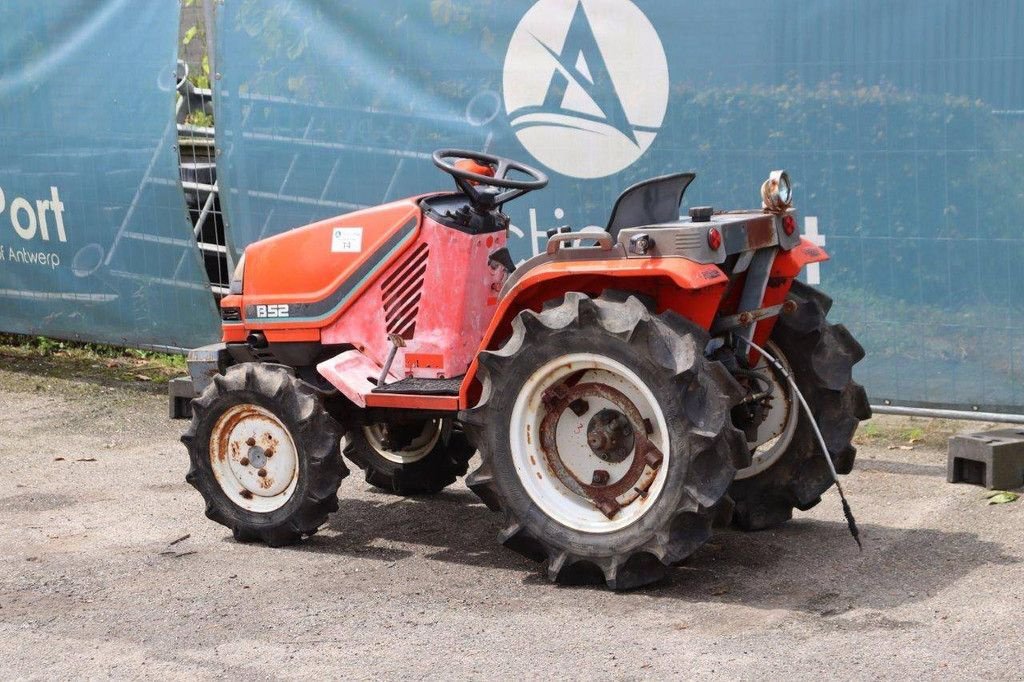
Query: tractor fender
<point x="693" y="290"/>
<point x="788" y="264"/>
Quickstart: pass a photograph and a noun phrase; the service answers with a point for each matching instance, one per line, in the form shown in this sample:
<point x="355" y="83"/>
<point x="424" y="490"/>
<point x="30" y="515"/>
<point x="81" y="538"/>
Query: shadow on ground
<point x="806" y="565"/>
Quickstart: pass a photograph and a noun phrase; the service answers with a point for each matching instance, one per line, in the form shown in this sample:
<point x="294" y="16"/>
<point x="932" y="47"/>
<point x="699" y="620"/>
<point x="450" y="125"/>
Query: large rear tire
<point x="264" y="454"/>
<point x="606" y="439"/>
<point x="792" y="473"/>
<point x="413" y="458"/>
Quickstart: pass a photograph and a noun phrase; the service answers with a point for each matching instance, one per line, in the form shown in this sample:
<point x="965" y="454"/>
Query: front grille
<point x="401" y="293"/>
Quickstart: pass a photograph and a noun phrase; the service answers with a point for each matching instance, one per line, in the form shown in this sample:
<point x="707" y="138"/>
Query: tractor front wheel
<point x="606" y="439"/>
<point x="264" y="454"/>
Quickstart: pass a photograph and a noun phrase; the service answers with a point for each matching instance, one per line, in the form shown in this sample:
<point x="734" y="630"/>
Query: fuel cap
<point x="701" y="214"/>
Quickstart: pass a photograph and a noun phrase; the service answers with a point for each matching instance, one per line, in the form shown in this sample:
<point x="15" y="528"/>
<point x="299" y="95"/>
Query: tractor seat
<point x="651" y="202"/>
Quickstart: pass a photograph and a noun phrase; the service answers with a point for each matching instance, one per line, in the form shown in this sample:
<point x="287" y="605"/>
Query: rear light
<point x="714" y="239"/>
<point x="231" y="314"/>
<point x="789" y="225"/>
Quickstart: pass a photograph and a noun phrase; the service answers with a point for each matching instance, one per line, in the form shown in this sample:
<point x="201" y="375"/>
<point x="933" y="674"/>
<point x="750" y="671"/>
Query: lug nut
<point x="244" y="461"/>
<point x="262" y="473"/>
<point x="269" y="452"/>
<point x="579" y="407"/>
<point x="250" y="442"/>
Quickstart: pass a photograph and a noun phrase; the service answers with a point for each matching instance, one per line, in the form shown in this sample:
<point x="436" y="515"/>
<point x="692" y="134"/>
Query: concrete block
<point x="180" y="393"/>
<point x="994" y="459"/>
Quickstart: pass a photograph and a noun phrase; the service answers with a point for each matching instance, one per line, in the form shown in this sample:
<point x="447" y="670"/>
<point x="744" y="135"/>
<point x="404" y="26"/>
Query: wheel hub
<point x="257" y="456"/>
<point x="549" y="430"/>
<point x="612" y="435"/>
<point x="254" y="458"/>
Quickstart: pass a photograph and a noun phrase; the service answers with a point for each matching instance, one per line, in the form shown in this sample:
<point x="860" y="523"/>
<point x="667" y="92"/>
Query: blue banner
<point x="901" y="123"/>
<point x="95" y="242"/>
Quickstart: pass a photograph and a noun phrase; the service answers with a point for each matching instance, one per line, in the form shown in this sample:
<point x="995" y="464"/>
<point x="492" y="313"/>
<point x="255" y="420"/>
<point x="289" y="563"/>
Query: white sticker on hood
<point x="347" y="240"/>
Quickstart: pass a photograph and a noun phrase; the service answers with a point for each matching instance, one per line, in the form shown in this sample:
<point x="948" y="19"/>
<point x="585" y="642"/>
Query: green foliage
<point x="199" y="118"/>
<point x="91" y="360"/>
<point x="914" y="434"/>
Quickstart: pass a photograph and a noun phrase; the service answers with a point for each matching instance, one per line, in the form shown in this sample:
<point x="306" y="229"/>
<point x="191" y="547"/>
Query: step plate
<point x="418" y="386"/>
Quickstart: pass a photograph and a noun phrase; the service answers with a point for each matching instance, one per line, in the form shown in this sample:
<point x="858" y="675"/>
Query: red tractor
<point x="609" y="385"/>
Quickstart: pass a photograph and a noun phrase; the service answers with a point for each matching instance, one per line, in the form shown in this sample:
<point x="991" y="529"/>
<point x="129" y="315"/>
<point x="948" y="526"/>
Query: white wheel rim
<point x="254" y="458"/>
<point x="544" y="488"/>
<point x="419" y="448"/>
<point x="775" y="433"/>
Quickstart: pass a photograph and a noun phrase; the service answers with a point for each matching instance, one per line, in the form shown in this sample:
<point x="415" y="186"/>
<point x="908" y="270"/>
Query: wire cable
<point x="851" y="523"/>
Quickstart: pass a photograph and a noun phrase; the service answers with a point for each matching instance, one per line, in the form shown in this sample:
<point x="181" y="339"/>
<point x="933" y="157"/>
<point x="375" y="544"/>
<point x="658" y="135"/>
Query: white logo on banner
<point x="586" y="85"/>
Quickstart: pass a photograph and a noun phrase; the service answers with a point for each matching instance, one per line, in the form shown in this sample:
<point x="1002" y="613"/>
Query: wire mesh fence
<point x="197" y="151"/>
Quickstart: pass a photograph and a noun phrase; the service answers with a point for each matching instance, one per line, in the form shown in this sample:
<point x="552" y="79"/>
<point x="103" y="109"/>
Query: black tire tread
<point x="822" y="356"/>
<point x="441" y="467"/>
<point x="676" y="346"/>
<point x="316" y="436"/>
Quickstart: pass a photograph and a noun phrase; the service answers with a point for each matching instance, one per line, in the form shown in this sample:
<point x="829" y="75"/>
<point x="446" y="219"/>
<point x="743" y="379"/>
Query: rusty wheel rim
<point x="254" y="458"/>
<point x="420" y="447"/>
<point x="589" y="442"/>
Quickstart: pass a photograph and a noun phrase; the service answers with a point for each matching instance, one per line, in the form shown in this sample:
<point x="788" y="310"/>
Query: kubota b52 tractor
<point x="608" y="384"/>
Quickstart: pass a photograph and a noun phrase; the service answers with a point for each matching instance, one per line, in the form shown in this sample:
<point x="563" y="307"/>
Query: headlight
<point x="777" y="192"/>
<point x="236" y="278"/>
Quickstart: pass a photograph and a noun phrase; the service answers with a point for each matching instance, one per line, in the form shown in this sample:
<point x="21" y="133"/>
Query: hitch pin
<point x="851" y="523"/>
<point x="396" y="343"/>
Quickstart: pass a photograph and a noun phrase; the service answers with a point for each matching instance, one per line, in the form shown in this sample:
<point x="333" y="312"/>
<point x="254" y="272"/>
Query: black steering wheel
<point x="471" y="183"/>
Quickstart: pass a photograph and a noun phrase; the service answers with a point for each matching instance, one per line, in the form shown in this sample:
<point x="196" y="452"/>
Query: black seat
<point x="649" y="202"/>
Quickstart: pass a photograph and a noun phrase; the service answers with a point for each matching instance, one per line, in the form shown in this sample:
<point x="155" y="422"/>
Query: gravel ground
<point x="93" y="584"/>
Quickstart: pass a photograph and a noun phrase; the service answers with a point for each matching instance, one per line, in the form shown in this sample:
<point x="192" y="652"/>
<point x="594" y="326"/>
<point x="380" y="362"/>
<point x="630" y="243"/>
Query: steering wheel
<point x="470" y="182"/>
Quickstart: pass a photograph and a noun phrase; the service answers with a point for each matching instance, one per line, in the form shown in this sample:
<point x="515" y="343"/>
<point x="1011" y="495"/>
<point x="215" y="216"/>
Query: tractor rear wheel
<point x="418" y="457"/>
<point x="264" y="454"/>
<point x="788" y="470"/>
<point x="605" y="437"/>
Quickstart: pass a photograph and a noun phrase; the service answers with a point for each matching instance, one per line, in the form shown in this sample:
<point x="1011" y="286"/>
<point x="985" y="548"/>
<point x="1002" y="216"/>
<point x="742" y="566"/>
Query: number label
<point x="347" y="240"/>
<point x="268" y="311"/>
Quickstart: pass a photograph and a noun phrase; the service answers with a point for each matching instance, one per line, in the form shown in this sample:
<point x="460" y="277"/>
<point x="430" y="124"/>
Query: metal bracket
<point x="744" y="319"/>
<point x="604" y="240"/>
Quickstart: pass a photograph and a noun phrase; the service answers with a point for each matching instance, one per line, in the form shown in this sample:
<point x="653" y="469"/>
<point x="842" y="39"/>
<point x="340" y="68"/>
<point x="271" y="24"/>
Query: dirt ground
<point x="92" y="582"/>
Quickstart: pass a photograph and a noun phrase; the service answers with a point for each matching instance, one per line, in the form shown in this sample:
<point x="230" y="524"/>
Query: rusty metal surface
<point x="251" y="456"/>
<point x="747" y="317"/>
<point x="608" y="496"/>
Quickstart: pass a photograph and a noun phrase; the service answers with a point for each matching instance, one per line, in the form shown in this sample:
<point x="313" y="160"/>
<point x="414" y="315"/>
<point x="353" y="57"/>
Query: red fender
<point x="690" y="289"/>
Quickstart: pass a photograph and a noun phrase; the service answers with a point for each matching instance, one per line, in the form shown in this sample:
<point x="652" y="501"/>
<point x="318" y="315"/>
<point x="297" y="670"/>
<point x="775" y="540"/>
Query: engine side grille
<point x="401" y="293"/>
